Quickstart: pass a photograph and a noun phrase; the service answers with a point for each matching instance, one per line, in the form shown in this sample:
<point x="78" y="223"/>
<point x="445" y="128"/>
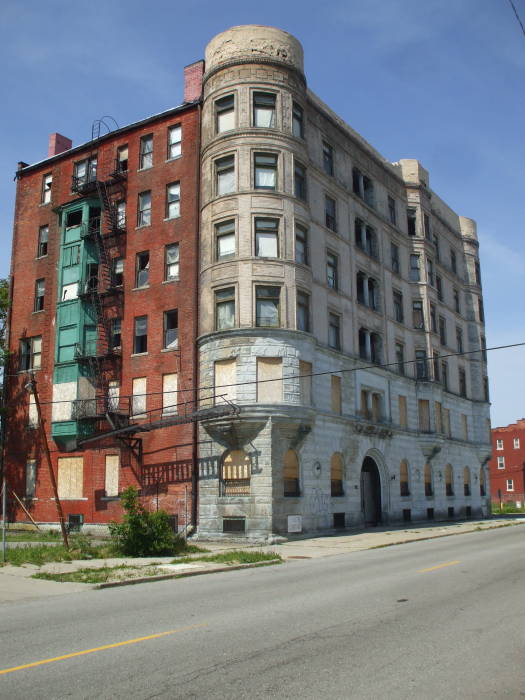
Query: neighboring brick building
<point x="104" y="313"/>
<point x="507" y="465"/>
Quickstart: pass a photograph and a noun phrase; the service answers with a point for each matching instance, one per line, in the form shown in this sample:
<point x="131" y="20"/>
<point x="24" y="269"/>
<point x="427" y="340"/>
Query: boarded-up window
<point x="424" y="415"/>
<point x="428" y="480"/>
<point x="291" y="474"/>
<point x="336" y="393"/>
<point x="169" y="393"/>
<point x="305" y="369"/>
<point x="138" y="400"/>
<point x="70" y="477"/>
<point x="404" y="489"/>
<point x="402" y="405"/>
<point x="438" y="417"/>
<point x="269" y="379"/>
<point x="33" y="415"/>
<point x="364" y="409"/>
<point x="449" y="480"/>
<point x="112" y="470"/>
<point x="225" y="379"/>
<point x="30" y="478"/>
<point x="466" y="481"/>
<point x="446" y="422"/>
<point x="376" y="407"/>
<point x="336" y="475"/>
<point x="464" y="426"/>
<point x="236" y="471"/>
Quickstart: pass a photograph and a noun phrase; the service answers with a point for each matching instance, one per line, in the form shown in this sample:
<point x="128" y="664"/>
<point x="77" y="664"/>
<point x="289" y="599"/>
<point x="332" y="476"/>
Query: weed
<point x="233" y="557"/>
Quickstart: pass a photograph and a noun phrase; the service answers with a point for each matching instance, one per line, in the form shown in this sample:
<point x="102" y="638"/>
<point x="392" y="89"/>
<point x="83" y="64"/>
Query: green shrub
<point x="141" y="533"/>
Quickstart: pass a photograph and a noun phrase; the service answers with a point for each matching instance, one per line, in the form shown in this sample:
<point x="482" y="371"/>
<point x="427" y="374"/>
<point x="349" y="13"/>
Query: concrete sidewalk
<point x="16" y="583"/>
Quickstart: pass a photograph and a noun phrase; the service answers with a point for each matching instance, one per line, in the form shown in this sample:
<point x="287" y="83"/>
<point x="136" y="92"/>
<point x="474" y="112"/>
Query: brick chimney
<point x="58" y="144"/>
<point x="193" y="81"/>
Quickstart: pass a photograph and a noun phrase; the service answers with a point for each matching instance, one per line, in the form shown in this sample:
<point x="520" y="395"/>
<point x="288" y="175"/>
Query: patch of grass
<point x="102" y="575"/>
<point x="33" y="536"/>
<point x="510" y="507"/>
<point x="80" y="548"/>
<point x="235" y="556"/>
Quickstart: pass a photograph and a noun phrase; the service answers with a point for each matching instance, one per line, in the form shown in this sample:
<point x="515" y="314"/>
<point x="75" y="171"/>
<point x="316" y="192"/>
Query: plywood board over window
<point x="112" y="470"/>
<point x="225" y="380"/>
<point x="269" y="379"/>
<point x="336" y="393"/>
<point x="402" y="402"/>
<point x="70" y="477"/>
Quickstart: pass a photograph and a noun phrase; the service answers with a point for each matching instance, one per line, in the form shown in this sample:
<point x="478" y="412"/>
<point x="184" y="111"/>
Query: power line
<point x="517" y="16"/>
<point x="300" y="376"/>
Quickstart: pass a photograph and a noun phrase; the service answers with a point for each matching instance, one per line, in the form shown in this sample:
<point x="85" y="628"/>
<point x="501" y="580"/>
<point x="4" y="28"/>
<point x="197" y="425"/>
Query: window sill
<point x="170" y="160"/>
<point x="66" y="498"/>
<point x="171" y="218"/>
<point x="138" y="354"/>
<point x="142" y="226"/>
<point x="139" y="415"/>
<point x="40" y="311"/>
<point x="143" y="170"/>
<point x="137" y="289"/>
<point x="170" y="349"/>
<point x="110" y="498"/>
<point x="170" y="281"/>
<point x="41" y="257"/>
<point x="45" y="204"/>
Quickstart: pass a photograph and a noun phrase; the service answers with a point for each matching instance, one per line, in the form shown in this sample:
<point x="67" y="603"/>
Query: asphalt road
<point x="438" y="619"/>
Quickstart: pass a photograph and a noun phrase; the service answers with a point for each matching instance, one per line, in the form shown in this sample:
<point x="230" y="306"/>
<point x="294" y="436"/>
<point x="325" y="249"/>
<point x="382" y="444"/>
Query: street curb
<point x="166" y="577"/>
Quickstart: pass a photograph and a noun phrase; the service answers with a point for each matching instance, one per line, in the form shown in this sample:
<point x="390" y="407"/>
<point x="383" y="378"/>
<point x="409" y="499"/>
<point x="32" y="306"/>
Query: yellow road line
<point x="439" y="566"/>
<point x="102" y="648"/>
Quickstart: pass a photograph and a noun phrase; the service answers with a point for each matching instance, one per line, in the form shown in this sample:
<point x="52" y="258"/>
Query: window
<point x="269" y="379"/>
<point x="414" y="268"/>
<point x="265" y="171"/>
<point x="421" y="365"/>
<point x="334" y="331"/>
<point x="169" y="393"/>
<point x="424" y="415"/>
<point x="449" y="480"/>
<point x="301" y="245"/>
<point x="291" y="475"/>
<point x="264" y="110"/>
<point x="138" y="398"/>
<point x="174" y="141"/>
<point x="236" y="472"/>
<point x="446" y="422"/>
<point x="299" y="181"/>
<point x="171" y="262"/>
<point x="435" y="365"/>
<point x="335" y="393"/>
<point x="375" y="348"/>
<point x="366" y="238"/>
<point x="328" y="158"/>
<point x="418" y="320"/>
<point x="171" y="330"/>
<point x="267" y="306"/>
<point x="225" y="240"/>
<point x="435" y="241"/>
<point x="442" y="330"/>
<point x="117" y="272"/>
<point x="266" y="238"/>
<point x="411" y="221"/>
<point x="43" y="237"/>
<point x="462" y="382"/>
<point x="501" y="462"/>
<point x="122" y="159"/>
<point x="116" y="333"/>
<point x="430" y="272"/>
<point x="433" y="318"/>
<point x="40" y="290"/>
<point x="481" y="482"/>
<point x="336" y="475"/>
<point x="510" y="484"/>
<point x="400" y="358"/>
<point x="305" y="382"/>
<point x="426" y="225"/>
<point x="111" y="475"/>
<point x="142" y="269"/>
<point x="363" y="186"/>
<point x="297" y="121"/>
<point x="464" y="426"/>
<point x="486" y="393"/>
<point x="30" y="478"/>
<point x="330" y="213"/>
<point x="84" y="172"/>
<point x="444" y="374"/>
<point x="144" y="210"/>
<point x="303" y="311"/>
<point x="499" y="444"/>
<point x="225" y="308"/>
<point x="453" y="261"/>
<point x="516" y="443"/>
<point x="477" y="273"/>
<point x="392" y="213"/>
<point x="140" y="338"/>
<point x="47" y="181"/>
<point x="455" y="295"/>
<point x="70" y="477"/>
<point x="438" y="416"/>
<point x="397" y="299"/>
<point x="439" y="288"/>
<point x="459" y="339"/>
<point x="121" y="214"/>
<point x="483" y="344"/>
<point x="113" y="395"/>
<point x="403" y="479"/>
<point x="427" y="475"/>
<point x="332" y="277"/>
<point x="173" y="200"/>
<point x="481" y="312"/>
<point x="225" y="380"/>
<point x="225" y="114"/>
<point x="225" y="175"/>
<point x="394" y="258"/>
<point x="146" y="152"/>
<point x="402" y="408"/>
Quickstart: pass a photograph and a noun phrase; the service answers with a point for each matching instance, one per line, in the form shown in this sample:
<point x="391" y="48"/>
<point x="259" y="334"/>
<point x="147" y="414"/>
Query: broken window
<point x="363" y="186"/>
<point x="299" y="181"/>
<point x="421" y="365"/>
<point x="171" y="262"/>
<point x="171" y="329"/>
<point x="303" y="312"/>
<point x="146" y="152"/>
<point x="301" y="244"/>
<point x="418" y="319"/>
<point x="40" y="290"/>
<point x="330" y="213"/>
<point x="400" y="358"/>
<point x="411" y="221"/>
<point x="144" y="209"/>
<point x="366" y="238"/>
<point x="43" y="237"/>
<point x="142" y="269"/>
<point x="336" y="475"/>
<point x="47" y="181"/>
<point x="392" y="212"/>
<point x="140" y="338"/>
<point x="414" y="268"/>
<point x="121" y="214"/>
<point x="328" y="158"/>
<point x="297" y="121"/>
<point x="31" y="353"/>
<point x="116" y="333"/>
<point x="442" y="330"/>
<point x="267" y="306"/>
<point x="334" y="331"/>
<point x="394" y="258"/>
<point x="122" y="159"/>
<point x="85" y="172"/>
<point x="173" y="200"/>
<point x="397" y="299"/>
<point x="331" y="270"/>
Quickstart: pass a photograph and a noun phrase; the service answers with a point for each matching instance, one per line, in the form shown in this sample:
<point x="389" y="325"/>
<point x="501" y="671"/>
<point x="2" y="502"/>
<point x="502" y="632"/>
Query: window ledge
<point x="45" y="204"/>
<point x="170" y="160"/>
<point x="40" y="311"/>
<point x="137" y="289"/>
<point x="138" y="354"/>
<point x="177" y="279"/>
<point x="110" y="498"/>
<point x="171" y="218"/>
<point x="67" y="498"/>
<point x="142" y="226"/>
<point x="142" y="170"/>
<point x="170" y="349"/>
<point x="41" y="257"/>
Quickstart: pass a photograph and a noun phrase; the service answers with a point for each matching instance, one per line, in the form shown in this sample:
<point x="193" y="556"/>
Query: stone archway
<point x="371" y="492"/>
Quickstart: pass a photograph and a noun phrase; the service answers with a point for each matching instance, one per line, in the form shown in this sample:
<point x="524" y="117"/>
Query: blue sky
<point x="439" y="81"/>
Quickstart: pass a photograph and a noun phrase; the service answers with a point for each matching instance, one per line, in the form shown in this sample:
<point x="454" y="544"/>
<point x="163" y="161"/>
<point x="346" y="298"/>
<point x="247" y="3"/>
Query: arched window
<point x="466" y="481"/>
<point x="291" y="474"/>
<point x="482" y="482"/>
<point x="449" y="480"/>
<point x="236" y="472"/>
<point x="404" y="488"/>
<point x="428" y="480"/>
<point x="336" y="475"/>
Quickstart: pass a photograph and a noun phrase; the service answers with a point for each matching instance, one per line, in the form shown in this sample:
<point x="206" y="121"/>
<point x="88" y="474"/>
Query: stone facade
<point x="325" y="238"/>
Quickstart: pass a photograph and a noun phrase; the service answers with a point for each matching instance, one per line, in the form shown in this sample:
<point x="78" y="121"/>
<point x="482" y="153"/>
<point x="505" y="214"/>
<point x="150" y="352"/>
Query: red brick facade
<point x="507" y="465"/>
<point x="164" y="471"/>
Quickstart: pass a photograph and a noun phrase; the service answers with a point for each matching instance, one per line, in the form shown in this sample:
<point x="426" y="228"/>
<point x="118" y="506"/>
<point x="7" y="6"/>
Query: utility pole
<point x="31" y="387"/>
<point x="4" y="509"/>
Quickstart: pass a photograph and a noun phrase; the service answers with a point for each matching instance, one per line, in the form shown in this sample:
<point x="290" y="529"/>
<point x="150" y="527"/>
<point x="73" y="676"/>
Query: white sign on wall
<point x="295" y="523"/>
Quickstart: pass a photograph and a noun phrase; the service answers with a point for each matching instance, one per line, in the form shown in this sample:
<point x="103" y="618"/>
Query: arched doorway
<point x="370" y="492"/>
